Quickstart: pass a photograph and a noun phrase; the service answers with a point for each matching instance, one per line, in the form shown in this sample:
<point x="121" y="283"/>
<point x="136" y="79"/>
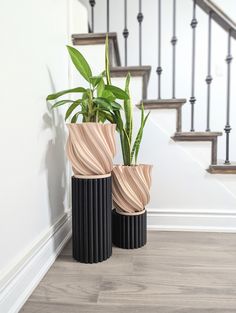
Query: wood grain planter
<point x="91" y="218"/>
<point x="91" y="148"/>
<point x="131" y="193"/>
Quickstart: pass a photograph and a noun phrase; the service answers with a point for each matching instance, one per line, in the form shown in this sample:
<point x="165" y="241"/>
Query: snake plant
<point x="124" y="125"/>
<point x="130" y="147"/>
<point x="95" y="101"/>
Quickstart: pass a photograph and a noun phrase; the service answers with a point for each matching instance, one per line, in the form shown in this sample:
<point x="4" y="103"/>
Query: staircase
<point x="167" y="142"/>
<point x="214" y="14"/>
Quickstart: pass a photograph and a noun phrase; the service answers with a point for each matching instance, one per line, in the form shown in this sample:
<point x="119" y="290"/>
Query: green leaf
<point x="118" y="121"/>
<point x="94" y="80"/>
<point x="116" y="106"/>
<point x="63" y="92"/>
<point x="136" y="146"/>
<point x="107" y="62"/>
<point x="107" y="116"/>
<point x="108" y="95"/>
<point x="117" y="92"/>
<point x="72" y="107"/>
<point x="80" y="63"/>
<point x="127" y="160"/>
<point x="100" y="88"/>
<point x="75" y="117"/>
<point x="59" y="103"/>
<point x="128" y="110"/>
<point x="140" y="139"/>
<point x="103" y="102"/>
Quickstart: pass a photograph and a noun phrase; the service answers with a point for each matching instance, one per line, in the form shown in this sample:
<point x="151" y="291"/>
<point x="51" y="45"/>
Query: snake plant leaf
<point x="72" y="107"/>
<point x="80" y="63"/>
<point x="107" y="61"/>
<point x="59" y="103"/>
<point x="63" y="92"/>
<point x="117" y="92"/>
<point x="127" y="160"/>
<point x="137" y="142"/>
<point x="128" y="109"/>
<point x="140" y="139"/>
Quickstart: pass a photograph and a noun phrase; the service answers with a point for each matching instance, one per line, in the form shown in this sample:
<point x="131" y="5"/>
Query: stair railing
<point x="214" y="13"/>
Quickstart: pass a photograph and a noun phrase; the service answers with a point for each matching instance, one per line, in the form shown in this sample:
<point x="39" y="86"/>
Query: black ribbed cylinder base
<point x="91" y="219"/>
<point x="129" y="231"/>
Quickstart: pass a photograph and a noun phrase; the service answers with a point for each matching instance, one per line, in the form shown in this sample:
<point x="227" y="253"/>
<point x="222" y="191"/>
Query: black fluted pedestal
<point x="129" y="231"/>
<point x="91" y="218"/>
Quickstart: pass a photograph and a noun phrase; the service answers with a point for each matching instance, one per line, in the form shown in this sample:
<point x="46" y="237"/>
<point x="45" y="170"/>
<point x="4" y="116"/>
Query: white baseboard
<point x="21" y="280"/>
<point x="187" y="220"/>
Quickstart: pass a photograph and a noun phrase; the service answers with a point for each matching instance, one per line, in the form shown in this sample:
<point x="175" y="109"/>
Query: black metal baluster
<point x="173" y="42"/>
<point x="209" y="77"/>
<point x="159" y="68"/>
<point x="125" y="31"/>
<point x="227" y="126"/>
<point x="140" y="19"/>
<point x="108" y="16"/>
<point x="92" y="3"/>
<point x="192" y="99"/>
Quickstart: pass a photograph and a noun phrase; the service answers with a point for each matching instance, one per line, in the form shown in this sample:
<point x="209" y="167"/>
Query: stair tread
<point x="135" y="71"/>
<point x="162" y="104"/>
<point x="120" y="71"/>
<point x="222" y="168"/>
<point x="96" y="39"/>
<point x="196" y="136"/>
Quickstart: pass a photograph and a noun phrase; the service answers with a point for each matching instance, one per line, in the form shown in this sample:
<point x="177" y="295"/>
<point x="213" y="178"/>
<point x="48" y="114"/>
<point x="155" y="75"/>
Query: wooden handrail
<point x="218" y="15"/>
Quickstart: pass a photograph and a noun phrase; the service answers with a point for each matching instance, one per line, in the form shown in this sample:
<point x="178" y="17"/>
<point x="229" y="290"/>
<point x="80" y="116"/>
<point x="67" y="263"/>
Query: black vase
<point x="91" y="219"/>
<point x="129" y="231"/>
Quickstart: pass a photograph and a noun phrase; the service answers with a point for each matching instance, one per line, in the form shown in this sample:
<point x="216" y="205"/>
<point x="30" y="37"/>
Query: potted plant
<point x="131" y="182"/>
<point x="90" y="148"/>
<point x="91" y="144"/>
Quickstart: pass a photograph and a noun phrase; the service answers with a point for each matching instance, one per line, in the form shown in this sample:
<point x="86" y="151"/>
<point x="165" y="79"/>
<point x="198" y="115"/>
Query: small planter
<point x="91" y="218"/>
<point x="91" y="148"/>
<point x="131" y="193"/>
<point x="129" y="231"/>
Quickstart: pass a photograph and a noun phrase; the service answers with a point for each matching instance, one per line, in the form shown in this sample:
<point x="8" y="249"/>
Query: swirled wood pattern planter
<point x="131" y="187"/>
<point x="91" y="148"/>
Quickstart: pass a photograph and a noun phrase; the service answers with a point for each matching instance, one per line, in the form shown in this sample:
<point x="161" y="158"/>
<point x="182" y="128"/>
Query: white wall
<point x="34" y="171"/>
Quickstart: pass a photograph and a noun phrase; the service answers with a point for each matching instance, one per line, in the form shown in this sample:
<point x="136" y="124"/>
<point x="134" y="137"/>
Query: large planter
<point x="131" y="193"/>
<point x="91" y="218"/>
<point x="91" y="148"/>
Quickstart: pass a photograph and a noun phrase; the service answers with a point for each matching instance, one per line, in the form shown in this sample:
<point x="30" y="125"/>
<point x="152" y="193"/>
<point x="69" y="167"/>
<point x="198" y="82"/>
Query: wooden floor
<point x="176" y="272"/>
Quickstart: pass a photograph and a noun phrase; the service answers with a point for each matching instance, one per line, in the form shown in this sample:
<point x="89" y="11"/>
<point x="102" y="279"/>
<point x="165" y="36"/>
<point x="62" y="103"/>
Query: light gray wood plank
<point x="32" y="307"/>
<point x="68" y="288"/>
<point x="176" y="272"/>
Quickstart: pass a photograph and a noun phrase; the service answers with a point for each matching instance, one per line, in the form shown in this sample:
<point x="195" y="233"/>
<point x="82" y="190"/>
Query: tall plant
<point x="124" y="126"/>
<point x="98" y="100"/>
<point x="130" y="148"/>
